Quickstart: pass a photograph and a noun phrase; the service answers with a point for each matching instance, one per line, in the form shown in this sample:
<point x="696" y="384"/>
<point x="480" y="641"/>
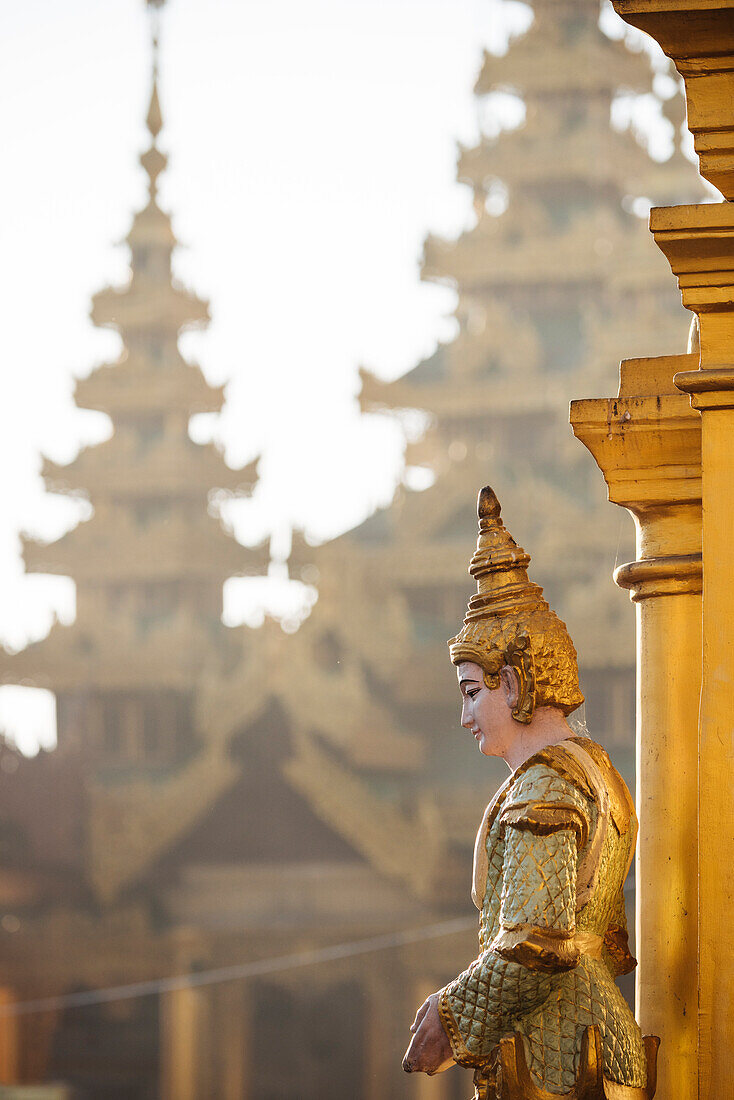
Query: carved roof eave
<point x="625" y="168"/>
<point x="537" y="67"/>
<point x="567" y="259"/>
<point x="149" y="306"/>
<point x="423" y="514"/>
<point x="520" y="158"/>
<point x="373" y="558"/>
<point x="501" y="396"/>
<point x="166" y="551"/>
<point x="115" y="656"/>
<point x="157" y="821"/>
<point x="113" y="469"/>
<point x="154" y="818"/>
<point x="357" y="725"/>
<point x="128" y="387"/>
<point x="416" y="517"/>
<point x="152" y="226"/>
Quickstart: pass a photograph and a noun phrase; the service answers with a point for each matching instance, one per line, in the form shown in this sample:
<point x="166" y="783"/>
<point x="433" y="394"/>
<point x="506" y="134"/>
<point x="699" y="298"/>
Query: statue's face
<point x="486" y="713"/>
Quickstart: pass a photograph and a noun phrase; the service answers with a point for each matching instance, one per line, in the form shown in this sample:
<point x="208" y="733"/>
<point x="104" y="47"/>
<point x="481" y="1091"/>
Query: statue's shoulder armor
<point x="556" y="760"/>
<point x="550" y="791"/>
<point x="621" y="805"/>
<point x="589" y="771"/>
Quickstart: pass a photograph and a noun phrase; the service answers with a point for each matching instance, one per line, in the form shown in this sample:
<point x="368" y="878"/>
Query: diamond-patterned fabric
<point x="539" y="880"/>
<point x="584" y="996"/>
<point x="487" y="997"/>
<point x="531" y="881"/>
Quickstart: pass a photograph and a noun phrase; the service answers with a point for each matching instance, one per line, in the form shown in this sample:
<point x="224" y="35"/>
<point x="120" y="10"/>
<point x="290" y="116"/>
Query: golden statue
<point x="538" y="1014"/>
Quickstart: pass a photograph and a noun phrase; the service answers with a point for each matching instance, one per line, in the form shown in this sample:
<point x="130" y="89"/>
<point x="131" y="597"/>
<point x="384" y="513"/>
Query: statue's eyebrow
<point x="468" y="680"/>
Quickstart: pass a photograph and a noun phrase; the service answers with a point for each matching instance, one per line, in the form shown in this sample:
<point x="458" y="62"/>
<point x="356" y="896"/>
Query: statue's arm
<point x="515" y="974"/>
<point x="477" y="1008"/>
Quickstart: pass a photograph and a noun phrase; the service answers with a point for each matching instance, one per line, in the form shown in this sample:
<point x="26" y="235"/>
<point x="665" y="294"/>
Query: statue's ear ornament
<point x="520" y="658"/>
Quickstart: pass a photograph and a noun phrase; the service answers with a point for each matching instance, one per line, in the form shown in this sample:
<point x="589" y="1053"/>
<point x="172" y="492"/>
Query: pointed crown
<point x="509" y="623"/>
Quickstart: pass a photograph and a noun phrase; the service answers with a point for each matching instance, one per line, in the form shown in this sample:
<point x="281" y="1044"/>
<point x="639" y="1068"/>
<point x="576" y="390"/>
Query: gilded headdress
<point x="509" y="623"/>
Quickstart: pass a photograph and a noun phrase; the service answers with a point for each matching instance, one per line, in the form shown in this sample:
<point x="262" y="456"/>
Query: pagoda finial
<point x="153" y="160"/>
<point x="154" y="120"/>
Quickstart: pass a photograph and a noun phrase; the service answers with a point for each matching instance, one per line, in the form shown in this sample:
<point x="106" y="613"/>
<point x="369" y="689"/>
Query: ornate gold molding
<point x="662" y="576"/>
<point x="708" y="389"/>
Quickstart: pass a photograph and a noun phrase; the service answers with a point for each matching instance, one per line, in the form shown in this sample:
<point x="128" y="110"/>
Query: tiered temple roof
<point x="151" y="561"/>
<point x="149" y="564"/>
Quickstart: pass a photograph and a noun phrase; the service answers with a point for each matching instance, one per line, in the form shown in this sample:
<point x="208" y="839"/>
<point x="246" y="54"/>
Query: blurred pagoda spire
<point x="149" y="565"/>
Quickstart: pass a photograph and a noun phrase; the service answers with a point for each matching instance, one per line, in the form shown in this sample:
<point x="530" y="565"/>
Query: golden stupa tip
<point x="488" y="507"/>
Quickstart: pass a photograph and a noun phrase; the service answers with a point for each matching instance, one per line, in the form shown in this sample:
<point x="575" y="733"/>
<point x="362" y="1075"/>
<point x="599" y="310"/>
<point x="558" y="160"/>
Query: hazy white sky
<point x="312" y="146"/>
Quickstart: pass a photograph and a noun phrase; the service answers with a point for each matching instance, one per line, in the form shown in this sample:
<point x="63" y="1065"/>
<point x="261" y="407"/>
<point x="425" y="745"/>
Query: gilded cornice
<point x="698" y="242"/>
<point x="647" y="442"/>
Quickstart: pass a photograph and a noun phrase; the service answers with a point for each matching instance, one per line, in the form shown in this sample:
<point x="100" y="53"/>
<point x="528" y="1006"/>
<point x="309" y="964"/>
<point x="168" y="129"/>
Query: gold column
<point x="233" y="1040"/>
<point x="647" y="444"/>
<point x="699" y="244"/>
<point x="180" y="1025"/>
<point x="8" y="1040"/>
<point x="698" y="241"/>
<point x="184" y="1026"/>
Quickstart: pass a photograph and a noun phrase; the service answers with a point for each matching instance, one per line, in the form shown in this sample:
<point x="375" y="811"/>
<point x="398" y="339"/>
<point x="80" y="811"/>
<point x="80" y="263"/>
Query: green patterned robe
<point x="552" y="855"/>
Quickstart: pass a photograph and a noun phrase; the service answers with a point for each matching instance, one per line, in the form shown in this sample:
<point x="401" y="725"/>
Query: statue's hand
<point x="429" y="1050"/>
